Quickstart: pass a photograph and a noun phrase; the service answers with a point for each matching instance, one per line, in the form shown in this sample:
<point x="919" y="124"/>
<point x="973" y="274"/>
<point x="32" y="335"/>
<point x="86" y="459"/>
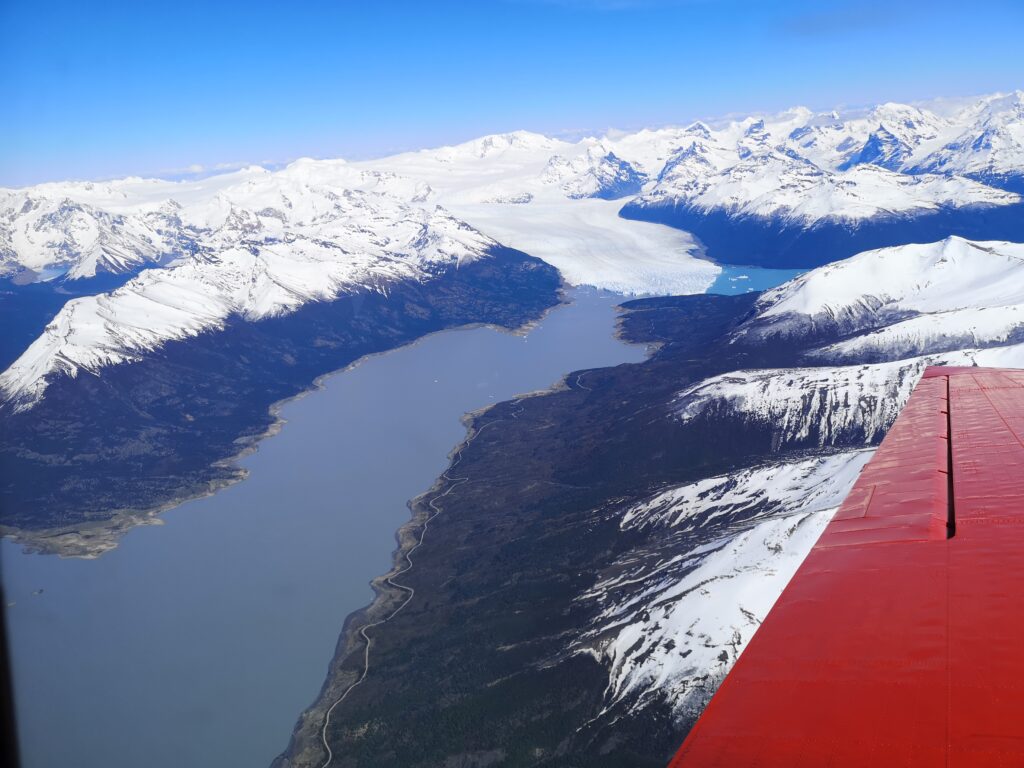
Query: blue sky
<point x="101" y="89"/>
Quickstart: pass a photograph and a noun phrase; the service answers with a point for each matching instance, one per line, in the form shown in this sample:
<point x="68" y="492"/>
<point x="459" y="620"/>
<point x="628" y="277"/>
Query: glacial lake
<point x="199" y="642"/>
<point x="733" y="280"/>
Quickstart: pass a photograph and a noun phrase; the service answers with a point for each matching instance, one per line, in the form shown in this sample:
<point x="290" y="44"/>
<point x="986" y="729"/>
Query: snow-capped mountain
<point x="783" y="190"/>
<point x="772" y="185"/>
<point x="598" y="174"/>
<point x="887" y="135"/>
<point x="295" y="243"/>
<point x="775" y="190"/>
<point x="49" y="236"/>
<point x="901" y="302"/>
<point x="572" y="191"/>
<point x="817" y="407"/>
<point x="672" y="613"/>
<point x="884" y="316"/>
<point x="795" y="390"/>
<point x="672" y="617"/>
<point x="767" y="193"/>
<point x="984" y="135"/>
<point x="518" y="167"/>
<point x="331" y="221"/>
<point x="560" y="200"/>
<point x="989" y="145"/>
<point x="79" y="229"/>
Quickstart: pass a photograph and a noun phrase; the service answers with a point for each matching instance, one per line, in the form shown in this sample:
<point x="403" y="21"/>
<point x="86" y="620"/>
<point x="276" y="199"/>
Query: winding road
<point x="455" y="482"/>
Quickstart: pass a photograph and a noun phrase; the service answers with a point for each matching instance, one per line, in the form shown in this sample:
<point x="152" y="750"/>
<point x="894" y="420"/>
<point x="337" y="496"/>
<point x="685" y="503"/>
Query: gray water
<point x="733" y="280"/>
<point x="198" y="642"/>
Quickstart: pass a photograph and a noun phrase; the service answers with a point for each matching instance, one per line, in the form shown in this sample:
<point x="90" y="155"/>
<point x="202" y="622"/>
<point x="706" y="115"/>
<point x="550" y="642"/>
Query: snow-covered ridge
<point x="555" y="199"/>
<point x="40" y="234"/>
<point x="887" y="314"/>
<point x="827" y="406"/>
<point x="803" y="167"/>
<point x="674" y="613"/>
<point x="81" y="228"/>
<point x="673" y="618"/>
<point x="551" y="198"/>
<point x="776" y="186"/>
<point x="302" y="234"/>
<point x="900" y="302"/>
<point x="337" y="244"/>
<point x="991" y="148"/>
<point x="799" y="165"/>
<point x="822" y="406"/>
<point x="951" y="274"/>
<point x="813" y="484"/>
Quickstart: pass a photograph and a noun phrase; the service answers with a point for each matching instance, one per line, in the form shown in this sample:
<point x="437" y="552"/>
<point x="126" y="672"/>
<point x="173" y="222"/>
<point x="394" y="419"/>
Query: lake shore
<point x="220" y="623"/>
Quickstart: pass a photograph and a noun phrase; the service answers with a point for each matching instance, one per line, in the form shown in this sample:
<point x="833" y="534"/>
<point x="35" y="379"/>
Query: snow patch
<point x="673" y="621"/>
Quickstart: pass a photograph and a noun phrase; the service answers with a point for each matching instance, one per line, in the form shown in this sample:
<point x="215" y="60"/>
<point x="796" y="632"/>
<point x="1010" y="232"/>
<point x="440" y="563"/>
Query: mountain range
<point x="794" y="166"/>
<point x="159" y="322"/>
<point x="655" y="513"/>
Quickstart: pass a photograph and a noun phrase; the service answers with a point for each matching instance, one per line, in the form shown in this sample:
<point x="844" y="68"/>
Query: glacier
<point x="799" y="166"/>
<point x="316" y="225"/>
<point x="846" y="342"/>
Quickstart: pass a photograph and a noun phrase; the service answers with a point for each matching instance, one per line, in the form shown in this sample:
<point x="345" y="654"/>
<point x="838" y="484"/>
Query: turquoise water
<point x="733" y="280"/>
<point x="198" y="642"/>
